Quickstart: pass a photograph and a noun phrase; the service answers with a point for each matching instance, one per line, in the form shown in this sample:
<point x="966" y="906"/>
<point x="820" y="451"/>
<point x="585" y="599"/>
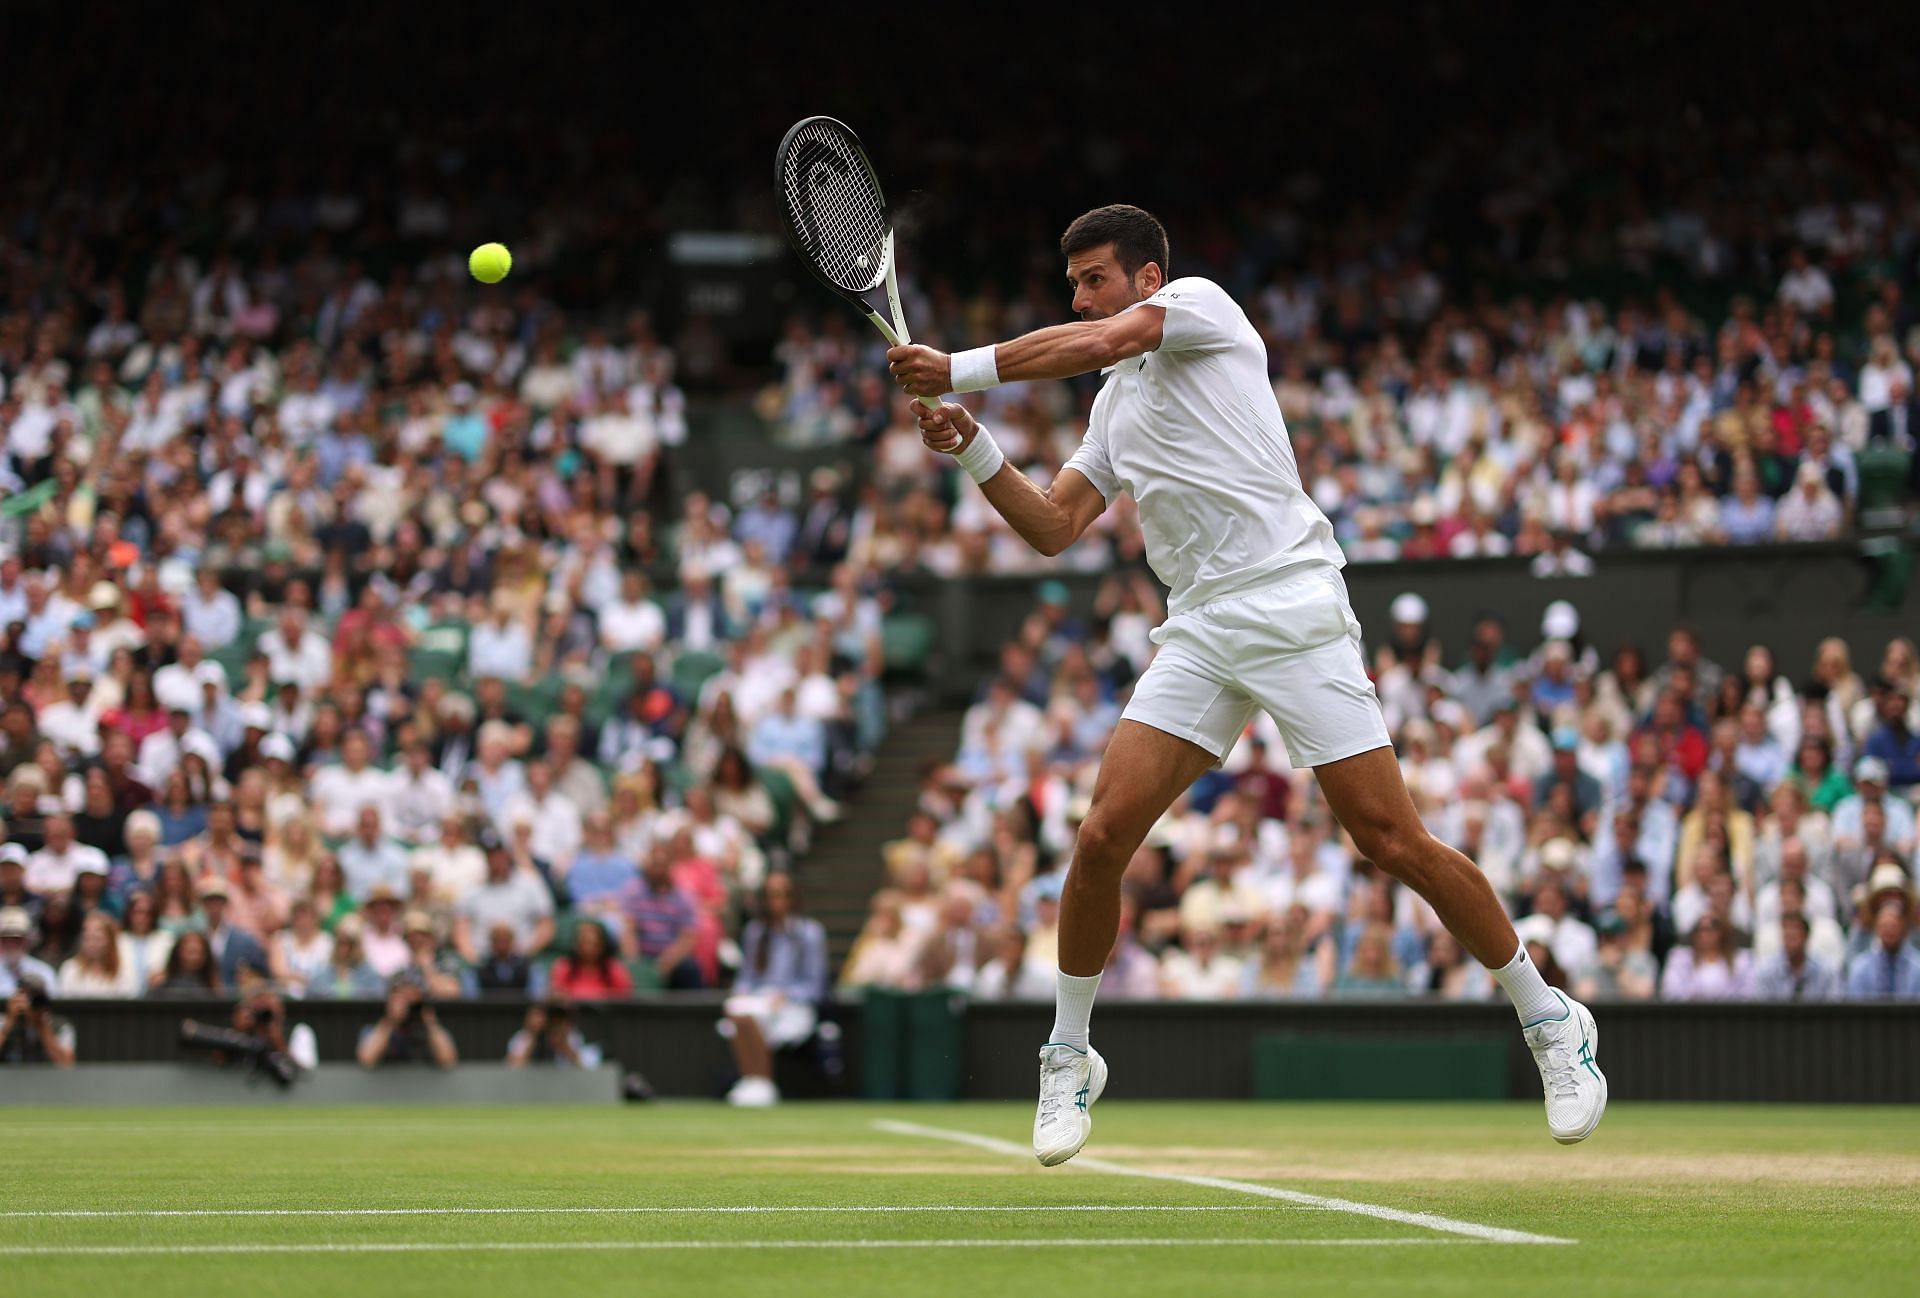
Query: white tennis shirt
<point x="1193" y="433"/>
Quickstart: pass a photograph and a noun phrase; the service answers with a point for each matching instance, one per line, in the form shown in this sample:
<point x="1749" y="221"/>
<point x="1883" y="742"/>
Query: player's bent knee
<point x="1405" y="854"/>
<point x="1098" y="849"/>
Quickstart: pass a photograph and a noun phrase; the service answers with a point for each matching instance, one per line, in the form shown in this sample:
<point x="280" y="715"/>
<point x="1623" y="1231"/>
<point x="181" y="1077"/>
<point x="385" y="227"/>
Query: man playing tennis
<point x="1187" y="424"/>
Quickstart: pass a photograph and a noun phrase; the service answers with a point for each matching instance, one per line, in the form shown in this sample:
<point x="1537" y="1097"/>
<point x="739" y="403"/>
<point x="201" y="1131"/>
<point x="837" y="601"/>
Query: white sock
<point x="1072" y="1009"/>
<point x="1533" y="1000"/>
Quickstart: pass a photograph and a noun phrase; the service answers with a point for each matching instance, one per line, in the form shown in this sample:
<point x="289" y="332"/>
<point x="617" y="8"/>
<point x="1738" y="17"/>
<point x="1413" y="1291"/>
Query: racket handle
<point x="899" y="338"/>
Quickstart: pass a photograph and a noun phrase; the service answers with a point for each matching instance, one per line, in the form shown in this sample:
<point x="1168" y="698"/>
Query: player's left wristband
<point x="975" y="370"/>
<point x="982" y="456"/>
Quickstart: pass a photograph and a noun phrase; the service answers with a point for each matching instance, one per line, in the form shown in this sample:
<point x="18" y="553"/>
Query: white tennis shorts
<point x="782" y="1022"/>
<point x="1292" y="648"/>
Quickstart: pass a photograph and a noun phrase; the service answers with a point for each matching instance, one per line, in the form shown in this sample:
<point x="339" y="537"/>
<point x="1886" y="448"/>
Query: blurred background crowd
<point x="357" y="622"/>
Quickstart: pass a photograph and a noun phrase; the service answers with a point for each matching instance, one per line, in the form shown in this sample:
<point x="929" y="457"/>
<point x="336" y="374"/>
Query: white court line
<point x="671" y="1245"/>
<point x="1428" y="1220"/>
<point x="602" y="1210"/>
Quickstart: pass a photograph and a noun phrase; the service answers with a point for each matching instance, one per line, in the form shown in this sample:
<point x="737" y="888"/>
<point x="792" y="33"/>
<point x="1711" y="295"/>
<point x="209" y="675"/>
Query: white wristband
<point x="975" y="371"/>
<point x="982" y="457"/>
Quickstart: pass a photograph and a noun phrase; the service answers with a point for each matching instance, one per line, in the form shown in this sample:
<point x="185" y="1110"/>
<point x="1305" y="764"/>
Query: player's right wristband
<point x="975" y="371"/>
<point x="982" y="456"/>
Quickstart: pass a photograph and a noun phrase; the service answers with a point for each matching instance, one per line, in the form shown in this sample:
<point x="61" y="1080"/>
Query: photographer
<point x="550" y="1036"/>
<point x="31" y="1032"/>
<point x="259" y="1035"/>
<point x="16" y="935"/>
<point x="409" y="1032"/>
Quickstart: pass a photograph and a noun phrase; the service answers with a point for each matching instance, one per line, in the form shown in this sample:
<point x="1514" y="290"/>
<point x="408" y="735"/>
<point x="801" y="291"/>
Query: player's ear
<point x="1150" y="279"/>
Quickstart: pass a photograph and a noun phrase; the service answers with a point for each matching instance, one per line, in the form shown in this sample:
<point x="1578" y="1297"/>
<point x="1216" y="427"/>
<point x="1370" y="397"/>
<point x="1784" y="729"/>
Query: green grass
<point x="1695" y="1200"/>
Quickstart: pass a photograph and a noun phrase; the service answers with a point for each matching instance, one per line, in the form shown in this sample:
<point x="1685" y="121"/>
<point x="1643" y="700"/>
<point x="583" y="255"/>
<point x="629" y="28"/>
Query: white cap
<point x="1870" y="769"/>
<point x="276" y="748"/>
<point x="1408" y="608"/>
<point x="1561" y="621"/>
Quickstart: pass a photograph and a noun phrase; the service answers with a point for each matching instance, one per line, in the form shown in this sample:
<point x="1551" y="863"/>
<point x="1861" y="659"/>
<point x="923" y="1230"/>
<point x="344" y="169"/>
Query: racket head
<point x="835" y="213"/>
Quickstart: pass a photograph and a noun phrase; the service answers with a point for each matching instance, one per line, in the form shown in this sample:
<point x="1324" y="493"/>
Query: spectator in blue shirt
<point x="600" y="869"/>
<point x="1890" y="968"/>
<point x="1892" y="742"/>
<point x="796" y="745"/>
<point x="1746" y="516"/>
<point x="775" y="1001"/>
<point x="766" y="522"/>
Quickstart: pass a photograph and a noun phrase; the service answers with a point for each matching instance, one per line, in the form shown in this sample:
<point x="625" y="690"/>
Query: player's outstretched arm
<point x="1056" y="352"/>
<point x="1049" y="520"/>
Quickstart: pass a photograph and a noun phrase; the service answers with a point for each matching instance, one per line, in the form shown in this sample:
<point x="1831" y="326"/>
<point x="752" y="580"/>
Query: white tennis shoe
<point x="1576" y="1089"/>
<point x="1070" y="1082"/>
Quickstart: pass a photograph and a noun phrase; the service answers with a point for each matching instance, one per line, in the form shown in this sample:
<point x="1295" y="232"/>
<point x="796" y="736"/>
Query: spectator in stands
<point x="1199" y="970"/>
<point x="503" y="970"/>
<point x="1793" y="973"/>
<point x="1810" y="512"/>
<point x="299" y="953"/>
<point x="383" y="939"/>
<point x="1709" y="967"/>
<point x="95" y="969"/>
<point x="796" y="745"/>
<point x="144" y="945"/>
<point x="1893" y="742"/>
<point x="775" y="1000"/>
<point x="1890" y="968"/>
<point x="508" y="895"/>
<point x="234" y="949"/>
<point x="882" y="954"/>
<point x="550" y="1034"/>
<point x="347" y="975"/>
<point x="408" y="1032"/>
<point x="16" y="939"/>
<point x="662" y="922"/>
<point x="442" y="977"/>
<point x="370" y="860"/>
<point x="30" y="1032"/>
<point x="592" y="969"/>
<point x="192" y="969"/>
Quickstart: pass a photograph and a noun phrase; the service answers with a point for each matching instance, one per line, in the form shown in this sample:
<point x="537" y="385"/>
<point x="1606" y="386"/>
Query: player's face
<point x="1100" y="287"/>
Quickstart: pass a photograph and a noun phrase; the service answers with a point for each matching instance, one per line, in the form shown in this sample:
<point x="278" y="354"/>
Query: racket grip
<point x="897" y="338"/>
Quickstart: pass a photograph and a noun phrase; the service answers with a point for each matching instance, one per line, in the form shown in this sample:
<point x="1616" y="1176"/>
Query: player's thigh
<point x="1144" y="769"/>
<point x="1367" y="795"/>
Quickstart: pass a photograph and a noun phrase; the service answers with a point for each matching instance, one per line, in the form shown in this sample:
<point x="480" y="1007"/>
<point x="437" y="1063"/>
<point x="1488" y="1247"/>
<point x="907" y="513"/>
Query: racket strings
<point x="835" y="207"/>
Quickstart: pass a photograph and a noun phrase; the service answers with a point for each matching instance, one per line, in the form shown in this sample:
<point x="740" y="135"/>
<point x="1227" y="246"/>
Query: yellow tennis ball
<point x="490" y="262"/>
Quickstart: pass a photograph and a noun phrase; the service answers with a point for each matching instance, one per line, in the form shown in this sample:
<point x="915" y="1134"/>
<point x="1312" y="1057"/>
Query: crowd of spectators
<point x="1659" y="827"/>
<point x="1428" y="424"/>
<point x="330" y="653"/>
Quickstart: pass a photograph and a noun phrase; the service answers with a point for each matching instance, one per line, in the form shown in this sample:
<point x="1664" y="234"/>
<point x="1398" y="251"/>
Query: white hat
<point x="211" y="673"/>
<point x="256" y="716"/>
<point x="1408" y="608"/>
<point x="1561" y="621"/>
<point x="1535" y="928"/>
<point x="1557" y="854"/>
<point x="276" y="748"/>
<point x="1869" y="769"/>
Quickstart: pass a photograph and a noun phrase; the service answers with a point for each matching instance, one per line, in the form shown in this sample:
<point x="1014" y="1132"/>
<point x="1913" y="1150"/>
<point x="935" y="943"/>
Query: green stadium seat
<point x="907" y="640"/>
<point x="779" y="787"/>
<point x="691" y="671"/>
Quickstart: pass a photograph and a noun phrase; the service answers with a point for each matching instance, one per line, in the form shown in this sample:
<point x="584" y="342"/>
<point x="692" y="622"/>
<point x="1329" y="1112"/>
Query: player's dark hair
<point x="1137" y="238"/>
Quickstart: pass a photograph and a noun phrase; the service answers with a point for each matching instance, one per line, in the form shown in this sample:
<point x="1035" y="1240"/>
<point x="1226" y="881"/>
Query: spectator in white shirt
<point x="1810" y="512"/>
<point x="370" y="860"/>
<point x="1200" y="972"/>
<point x="554" y="818"/>
<point x="500" y="647"/>
<point x="632" y="621"/>
<point x="177" y="685"/>
<point x="340" y="792"/>
<point x="419" y="797"/>
<point x="72" y="723"/>
<point x="209" y="612"/>
<point x="296" y="653"/>
<point x="1805" y="287"/>
<point x="161" y="751"/>
<point x="55" y="866"/>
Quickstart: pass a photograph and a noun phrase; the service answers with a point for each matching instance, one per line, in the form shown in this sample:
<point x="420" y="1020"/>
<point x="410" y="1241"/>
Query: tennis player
<point x="1258" y="617"/>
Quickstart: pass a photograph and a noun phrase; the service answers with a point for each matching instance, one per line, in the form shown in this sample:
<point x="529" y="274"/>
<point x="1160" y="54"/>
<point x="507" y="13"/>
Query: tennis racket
<point x="838" y="221"/>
